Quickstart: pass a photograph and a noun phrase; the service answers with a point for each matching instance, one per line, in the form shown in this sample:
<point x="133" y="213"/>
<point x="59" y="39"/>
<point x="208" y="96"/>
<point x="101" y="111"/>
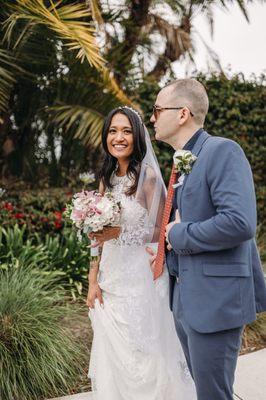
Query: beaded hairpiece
<point x="131" y="109"/>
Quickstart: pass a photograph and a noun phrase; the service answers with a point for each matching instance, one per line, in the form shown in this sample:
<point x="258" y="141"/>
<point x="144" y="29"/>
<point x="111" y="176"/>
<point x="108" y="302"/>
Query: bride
<point x="136" y="354"/>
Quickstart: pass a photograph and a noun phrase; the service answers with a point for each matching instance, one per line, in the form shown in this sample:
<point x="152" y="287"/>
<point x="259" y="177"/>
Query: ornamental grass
<point x="39" y="359"/>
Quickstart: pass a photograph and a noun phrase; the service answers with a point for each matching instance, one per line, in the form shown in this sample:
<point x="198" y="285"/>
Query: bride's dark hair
<point x="139" y="149"/>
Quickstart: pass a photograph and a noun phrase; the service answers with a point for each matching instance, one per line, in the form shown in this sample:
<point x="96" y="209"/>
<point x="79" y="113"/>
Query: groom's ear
<point x="184" y="115"/>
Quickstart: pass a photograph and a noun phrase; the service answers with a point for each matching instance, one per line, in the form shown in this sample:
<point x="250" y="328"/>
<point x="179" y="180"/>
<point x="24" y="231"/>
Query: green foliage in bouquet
<point x="39" y="359"/>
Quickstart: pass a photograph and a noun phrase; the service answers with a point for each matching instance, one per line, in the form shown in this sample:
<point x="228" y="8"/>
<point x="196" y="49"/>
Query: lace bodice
<point x="134" y="218"/>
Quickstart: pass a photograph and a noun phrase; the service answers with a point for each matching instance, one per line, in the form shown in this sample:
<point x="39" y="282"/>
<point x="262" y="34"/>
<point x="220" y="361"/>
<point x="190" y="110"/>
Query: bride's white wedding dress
<point x="136" y="354"/>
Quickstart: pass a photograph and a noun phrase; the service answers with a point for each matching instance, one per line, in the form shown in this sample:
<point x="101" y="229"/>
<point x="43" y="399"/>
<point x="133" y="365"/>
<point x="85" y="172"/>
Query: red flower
<point x="57" y="224"/>
<point x="44" y="219"/>
<point x="19" y="215"/>
<point x="58" y="215"/>
<point x="8" y="206"/>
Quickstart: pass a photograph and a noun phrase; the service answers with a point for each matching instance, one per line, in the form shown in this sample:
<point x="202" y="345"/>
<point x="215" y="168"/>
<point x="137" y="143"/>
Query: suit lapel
<point x="196" y="150"/>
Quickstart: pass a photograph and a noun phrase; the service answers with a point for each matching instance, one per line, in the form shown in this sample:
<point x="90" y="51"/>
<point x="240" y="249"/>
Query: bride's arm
<point x="94" y="291"/>
<point x="93" y="272"/>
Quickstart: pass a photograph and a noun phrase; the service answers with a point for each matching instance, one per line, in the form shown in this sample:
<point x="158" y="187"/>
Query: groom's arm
<point x="232" y="192"/>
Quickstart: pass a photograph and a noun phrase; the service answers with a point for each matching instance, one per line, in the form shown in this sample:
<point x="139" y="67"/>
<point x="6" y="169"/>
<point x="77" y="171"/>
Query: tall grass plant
<point x="38" y="357"/>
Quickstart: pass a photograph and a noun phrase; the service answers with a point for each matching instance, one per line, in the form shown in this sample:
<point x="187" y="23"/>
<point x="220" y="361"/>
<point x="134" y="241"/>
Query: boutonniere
<point x="183" y="161"/>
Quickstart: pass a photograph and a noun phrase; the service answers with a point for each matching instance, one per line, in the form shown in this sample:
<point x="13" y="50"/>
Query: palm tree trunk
<point x="7" y="146"/>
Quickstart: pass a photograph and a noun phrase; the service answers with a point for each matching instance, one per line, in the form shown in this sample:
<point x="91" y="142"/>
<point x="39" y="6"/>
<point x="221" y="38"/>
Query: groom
<point x="216" y="280"/>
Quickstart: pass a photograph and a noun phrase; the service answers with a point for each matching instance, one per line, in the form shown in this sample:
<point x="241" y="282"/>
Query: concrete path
<point x="250" y="382"/>
<point x="80" y="396"/>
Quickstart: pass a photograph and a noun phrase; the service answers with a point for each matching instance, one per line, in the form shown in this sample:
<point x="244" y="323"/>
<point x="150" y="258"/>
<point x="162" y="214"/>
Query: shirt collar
<point x="192" y="141"/>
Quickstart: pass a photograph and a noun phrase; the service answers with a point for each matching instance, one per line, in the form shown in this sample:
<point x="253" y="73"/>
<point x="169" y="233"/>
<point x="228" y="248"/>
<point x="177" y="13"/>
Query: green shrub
<point x="38" y="358"/>
<point x="238" y="111"/>
<point x="69" y="257"/>
<point x="39" y="210"/>
<point x="63" y="254"/>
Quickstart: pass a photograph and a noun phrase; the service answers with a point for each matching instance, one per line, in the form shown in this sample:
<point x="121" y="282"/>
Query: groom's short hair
<point x="192" y="94"/>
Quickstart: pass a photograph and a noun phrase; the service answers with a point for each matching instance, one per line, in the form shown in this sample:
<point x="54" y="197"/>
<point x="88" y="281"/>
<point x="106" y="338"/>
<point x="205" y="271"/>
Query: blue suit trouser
<point x="211" y="357"/>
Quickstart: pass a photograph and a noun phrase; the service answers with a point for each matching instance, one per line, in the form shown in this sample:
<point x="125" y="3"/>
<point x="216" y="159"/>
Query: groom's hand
<point x="169" y="227"/>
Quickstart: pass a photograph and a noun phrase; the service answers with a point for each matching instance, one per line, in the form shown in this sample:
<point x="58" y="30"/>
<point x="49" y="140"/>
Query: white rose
<point x="180" y="153"/>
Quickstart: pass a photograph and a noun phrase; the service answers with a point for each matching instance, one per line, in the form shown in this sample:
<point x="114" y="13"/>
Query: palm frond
<point x="214" y="56"/>
<point x="86" y="122"/>
<point x="95" y="10"/>
<point x="8" y="70"/>
<point x="113" y="87"/>
<point x="67" y="21"/>
<point x="243" y="8"/>
<point x="210" y="18"/>
<point x="178" y="40"/>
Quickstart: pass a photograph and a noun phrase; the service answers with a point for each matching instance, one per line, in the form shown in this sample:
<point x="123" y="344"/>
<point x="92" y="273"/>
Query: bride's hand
<point x="94" y="292"/>
<point x="152" y="258"/>
<point x="108" y="233"/>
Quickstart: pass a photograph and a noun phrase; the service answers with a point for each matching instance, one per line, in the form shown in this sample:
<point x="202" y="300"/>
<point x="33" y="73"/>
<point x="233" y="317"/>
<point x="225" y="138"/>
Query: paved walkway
<point x="250" y="382"/>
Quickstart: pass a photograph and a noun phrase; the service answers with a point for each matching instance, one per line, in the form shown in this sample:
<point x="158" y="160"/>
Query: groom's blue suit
<point x="221" y="283"/>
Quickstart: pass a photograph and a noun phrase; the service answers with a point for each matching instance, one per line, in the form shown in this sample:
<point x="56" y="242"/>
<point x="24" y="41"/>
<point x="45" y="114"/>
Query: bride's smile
<point x="120" y="141"/>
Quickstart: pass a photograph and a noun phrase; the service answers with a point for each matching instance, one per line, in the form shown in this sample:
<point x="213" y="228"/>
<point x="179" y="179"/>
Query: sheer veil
<point x="151" y="194"/>
<point x="151" y="191"/>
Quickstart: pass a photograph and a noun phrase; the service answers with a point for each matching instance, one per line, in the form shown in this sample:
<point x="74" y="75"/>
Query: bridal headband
<point x="131" y="109"/>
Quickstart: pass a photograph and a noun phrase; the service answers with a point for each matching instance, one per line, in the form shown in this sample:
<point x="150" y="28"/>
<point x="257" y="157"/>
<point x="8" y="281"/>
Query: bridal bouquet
<point x="90" y="211"/>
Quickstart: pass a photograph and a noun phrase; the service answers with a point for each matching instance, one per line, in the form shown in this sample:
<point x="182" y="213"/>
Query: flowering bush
<point x="34" y="232"/>
<point x="40" y="211"/>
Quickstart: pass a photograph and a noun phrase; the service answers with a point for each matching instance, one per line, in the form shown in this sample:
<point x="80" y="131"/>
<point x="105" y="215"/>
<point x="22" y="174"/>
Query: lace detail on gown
<point x="135" y="353"/>
<point x="134" y="218"/>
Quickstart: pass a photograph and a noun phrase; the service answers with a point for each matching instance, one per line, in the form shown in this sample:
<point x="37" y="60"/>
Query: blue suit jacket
<point x="221" y="279"/>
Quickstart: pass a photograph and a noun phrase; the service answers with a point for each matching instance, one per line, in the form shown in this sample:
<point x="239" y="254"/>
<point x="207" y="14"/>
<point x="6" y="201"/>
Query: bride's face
<point x="120" y="142"/>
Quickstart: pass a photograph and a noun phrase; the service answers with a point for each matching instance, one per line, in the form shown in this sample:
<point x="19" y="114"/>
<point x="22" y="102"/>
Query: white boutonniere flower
<point x="183" y="161"/>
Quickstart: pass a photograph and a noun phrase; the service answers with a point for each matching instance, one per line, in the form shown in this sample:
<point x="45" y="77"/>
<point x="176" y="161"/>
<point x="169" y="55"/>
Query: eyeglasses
<point x="156" y="110"/>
